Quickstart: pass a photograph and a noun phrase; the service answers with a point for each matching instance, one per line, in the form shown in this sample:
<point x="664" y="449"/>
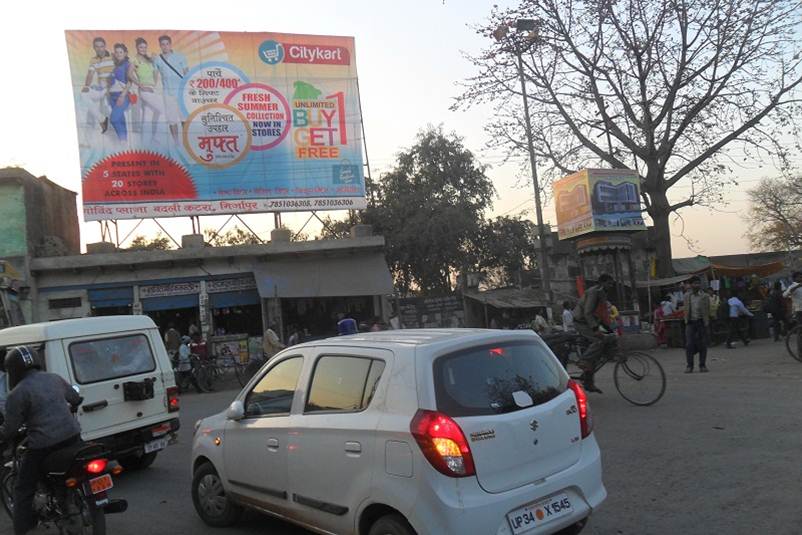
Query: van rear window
<point x="111" y="358"/>
<point x="497" y="379"/>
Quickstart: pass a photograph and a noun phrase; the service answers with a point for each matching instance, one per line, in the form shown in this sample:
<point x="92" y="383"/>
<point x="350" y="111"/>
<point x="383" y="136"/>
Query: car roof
<point x="433" y="339"/>
<point x="53" y="330"/>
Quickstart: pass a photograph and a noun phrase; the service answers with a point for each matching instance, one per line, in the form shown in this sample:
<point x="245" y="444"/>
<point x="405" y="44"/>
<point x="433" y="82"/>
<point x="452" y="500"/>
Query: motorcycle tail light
<point x="96" y="466"/>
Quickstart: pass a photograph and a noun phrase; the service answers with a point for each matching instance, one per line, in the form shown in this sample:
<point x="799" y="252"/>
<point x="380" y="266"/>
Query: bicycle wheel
<point x="639" y="378"/>
<point x="793" y="342"/>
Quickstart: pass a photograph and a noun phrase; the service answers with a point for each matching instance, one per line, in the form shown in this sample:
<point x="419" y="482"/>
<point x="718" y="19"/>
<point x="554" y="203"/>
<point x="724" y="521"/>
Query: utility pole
<point x="544" y="256"/>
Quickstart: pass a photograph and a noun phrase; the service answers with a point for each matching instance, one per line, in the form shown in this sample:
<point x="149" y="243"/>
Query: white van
<point x="124" y="374"/>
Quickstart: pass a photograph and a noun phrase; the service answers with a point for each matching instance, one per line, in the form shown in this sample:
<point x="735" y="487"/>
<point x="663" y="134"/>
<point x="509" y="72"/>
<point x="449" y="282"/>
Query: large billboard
<point x="185" y="123"/>
<point x="598" y="200"/>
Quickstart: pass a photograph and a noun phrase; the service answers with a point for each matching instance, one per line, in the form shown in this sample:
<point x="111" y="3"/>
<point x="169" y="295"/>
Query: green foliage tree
<point x="430" y="209"/>
<point x="775" y="214"/>
<point x="506" y="249"/>
<point x="235" y="236"/>
<point x="159" y="243"/>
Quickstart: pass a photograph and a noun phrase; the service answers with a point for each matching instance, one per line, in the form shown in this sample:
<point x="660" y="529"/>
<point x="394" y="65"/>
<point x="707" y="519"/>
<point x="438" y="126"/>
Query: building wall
<point x="13" y="241"/>
<point x="52" y="213"/>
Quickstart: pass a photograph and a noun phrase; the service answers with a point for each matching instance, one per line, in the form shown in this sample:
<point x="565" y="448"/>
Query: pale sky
<point x="409" y="60"/>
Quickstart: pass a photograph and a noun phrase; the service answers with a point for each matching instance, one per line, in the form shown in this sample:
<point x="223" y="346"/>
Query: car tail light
<point x="96" y="466"/>
<point x="443" y="444"/>
<point x="585" y="419"/>
<point x="173" y="403"/>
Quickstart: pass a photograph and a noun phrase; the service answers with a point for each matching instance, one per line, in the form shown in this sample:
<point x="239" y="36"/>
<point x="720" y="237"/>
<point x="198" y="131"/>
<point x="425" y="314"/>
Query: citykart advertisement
<point x="188" y="123"/>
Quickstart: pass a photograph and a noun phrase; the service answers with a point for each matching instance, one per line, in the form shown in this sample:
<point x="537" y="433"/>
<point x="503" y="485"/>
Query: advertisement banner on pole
<point x="189" y="123"/>
<point x="598" y="200"/>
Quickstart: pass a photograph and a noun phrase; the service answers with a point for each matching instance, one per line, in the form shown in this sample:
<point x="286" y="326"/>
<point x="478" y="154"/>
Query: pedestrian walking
<point x="794" y="292"/>
<point x="737" y="311"/>
<point x="568" y="317"/>
<point x="346" y="325"/>
<point x="697" y="323"/>
<point x="172" y="340"/>
<point x="271" y="343"/>
<point x="775" y="305"/>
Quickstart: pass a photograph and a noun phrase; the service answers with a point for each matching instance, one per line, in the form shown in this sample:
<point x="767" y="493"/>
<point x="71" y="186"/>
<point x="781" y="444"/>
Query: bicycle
<point x="638" y="377"/>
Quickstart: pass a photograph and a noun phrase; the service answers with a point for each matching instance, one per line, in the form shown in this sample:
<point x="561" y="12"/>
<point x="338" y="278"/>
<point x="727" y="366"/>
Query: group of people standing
<point x="116" y="81"/>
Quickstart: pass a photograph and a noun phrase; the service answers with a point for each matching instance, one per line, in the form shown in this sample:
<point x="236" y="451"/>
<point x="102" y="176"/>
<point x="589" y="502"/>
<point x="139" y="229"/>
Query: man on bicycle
<point x="794" y="292"/>
<point x="590" y="321"/>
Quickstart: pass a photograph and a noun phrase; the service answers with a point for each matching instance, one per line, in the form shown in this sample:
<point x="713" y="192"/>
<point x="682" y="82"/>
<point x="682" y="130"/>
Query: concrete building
<point x="229" y="292"/>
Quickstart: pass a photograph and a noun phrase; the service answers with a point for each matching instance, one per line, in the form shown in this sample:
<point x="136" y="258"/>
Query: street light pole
<point x="544" y="257"/>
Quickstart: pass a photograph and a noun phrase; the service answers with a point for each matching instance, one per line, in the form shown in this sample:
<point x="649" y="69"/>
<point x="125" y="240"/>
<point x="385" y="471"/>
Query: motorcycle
<point x="73" y="494"/>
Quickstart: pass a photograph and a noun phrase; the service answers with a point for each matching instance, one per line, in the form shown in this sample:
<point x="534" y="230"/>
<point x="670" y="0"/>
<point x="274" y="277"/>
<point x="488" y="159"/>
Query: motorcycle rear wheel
<point x="84" y="519"/>
<point x="7" y="491"/>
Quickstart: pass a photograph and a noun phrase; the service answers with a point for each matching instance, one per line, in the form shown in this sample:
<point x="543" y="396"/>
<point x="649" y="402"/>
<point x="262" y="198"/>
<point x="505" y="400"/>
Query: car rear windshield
<point x="497" y="379"/>
<point x="111" y="358"/>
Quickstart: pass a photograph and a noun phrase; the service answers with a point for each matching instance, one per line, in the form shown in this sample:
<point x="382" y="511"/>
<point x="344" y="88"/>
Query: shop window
<point x="66" y="302"/>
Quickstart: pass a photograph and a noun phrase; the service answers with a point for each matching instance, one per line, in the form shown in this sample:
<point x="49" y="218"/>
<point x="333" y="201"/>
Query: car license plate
<point x="156" y="445"/>
<point x="100" y="484"/>
<point x="536" y="514"/>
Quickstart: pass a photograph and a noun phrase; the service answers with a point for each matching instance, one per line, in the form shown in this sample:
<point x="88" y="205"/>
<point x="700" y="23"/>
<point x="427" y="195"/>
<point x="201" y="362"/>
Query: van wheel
<point x="391" y="525"/>
<point x="574" y="529"/>
<point x="140" y="462"/>
<point x="210" y="500"/>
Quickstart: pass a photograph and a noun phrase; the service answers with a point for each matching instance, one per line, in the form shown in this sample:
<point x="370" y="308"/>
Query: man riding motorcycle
<point x="43" y="403"/>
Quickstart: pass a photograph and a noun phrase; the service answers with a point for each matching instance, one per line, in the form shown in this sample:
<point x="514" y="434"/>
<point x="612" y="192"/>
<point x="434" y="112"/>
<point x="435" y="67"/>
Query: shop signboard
<point x="230" y="285"/>
<point x="170" y="289"/>
<point x="598" y="200"/>
<point x="190" y="123"/>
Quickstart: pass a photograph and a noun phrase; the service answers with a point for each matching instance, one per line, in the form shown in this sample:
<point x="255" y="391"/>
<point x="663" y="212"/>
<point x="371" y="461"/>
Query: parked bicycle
<point x="638" y="377"/>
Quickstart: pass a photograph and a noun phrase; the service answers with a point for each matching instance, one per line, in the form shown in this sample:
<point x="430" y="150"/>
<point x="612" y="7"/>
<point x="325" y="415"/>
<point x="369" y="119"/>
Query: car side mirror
<point x="236" y="411"/>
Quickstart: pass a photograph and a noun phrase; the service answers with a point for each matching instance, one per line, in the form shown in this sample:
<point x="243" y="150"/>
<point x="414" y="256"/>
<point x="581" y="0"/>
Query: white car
<point x="402" y="432"/>
<point x="131" y="403"/>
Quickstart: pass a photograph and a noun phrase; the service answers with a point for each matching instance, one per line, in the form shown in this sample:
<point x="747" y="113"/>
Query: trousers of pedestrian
<point x="117" y="117"/>
<point x="736" y="326"/>
<point x="696" y="342"/>
<point x="30" y="472"/>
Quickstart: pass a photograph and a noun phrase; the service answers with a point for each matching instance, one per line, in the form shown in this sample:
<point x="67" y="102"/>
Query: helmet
<point x="18" y="362"/>
<point x="185" y="339"/>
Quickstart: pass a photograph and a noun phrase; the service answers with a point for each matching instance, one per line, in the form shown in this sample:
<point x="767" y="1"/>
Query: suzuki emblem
<point x="533" y="425"/>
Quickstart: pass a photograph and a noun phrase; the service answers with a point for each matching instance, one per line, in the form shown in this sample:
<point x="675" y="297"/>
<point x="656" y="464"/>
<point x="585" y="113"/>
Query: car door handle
<point x="272" y="444"/>
<point x="353" y="447"/>
<point x="95" y="406"/>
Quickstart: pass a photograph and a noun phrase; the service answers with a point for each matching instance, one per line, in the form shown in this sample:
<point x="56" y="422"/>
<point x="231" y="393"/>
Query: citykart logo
<point x="273" y="52"/>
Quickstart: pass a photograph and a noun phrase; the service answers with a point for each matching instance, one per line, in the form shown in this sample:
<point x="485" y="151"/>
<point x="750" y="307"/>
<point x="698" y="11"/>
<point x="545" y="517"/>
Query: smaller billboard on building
<point x="598" y="200"/>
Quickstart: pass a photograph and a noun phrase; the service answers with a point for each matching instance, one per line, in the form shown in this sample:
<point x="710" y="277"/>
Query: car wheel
<point x="140" y="462"/>
<point x="574" y="529"/>
<point x="391" y="525"/>
<point x="210" y="500"/>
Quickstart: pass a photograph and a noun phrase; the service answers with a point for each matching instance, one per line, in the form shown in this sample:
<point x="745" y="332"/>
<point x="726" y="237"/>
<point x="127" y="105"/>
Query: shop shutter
<point x="233" y="299"/>
<point x="111" y="297"/>
<point x="170" y="302"/>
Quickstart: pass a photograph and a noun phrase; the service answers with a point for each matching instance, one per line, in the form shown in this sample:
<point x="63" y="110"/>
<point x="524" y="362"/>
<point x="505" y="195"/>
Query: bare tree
<point x="683" y="91"/>
<point x="775" y="214"/>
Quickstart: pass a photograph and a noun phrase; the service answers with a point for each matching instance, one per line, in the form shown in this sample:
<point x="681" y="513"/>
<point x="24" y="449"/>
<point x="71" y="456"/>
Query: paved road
<point x="719" y="454"/>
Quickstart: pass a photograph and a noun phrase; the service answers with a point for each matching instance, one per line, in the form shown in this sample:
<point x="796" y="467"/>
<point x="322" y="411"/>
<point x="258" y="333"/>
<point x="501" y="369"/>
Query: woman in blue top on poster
<point x="119" y="85"/>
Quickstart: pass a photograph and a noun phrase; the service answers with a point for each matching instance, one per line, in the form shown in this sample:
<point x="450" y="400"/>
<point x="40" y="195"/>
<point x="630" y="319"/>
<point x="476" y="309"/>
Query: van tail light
<point x="585" y="419"/>
<point x="443" y="444"/>
<point x="173" y="403"/>
<point x="96" y="466"/>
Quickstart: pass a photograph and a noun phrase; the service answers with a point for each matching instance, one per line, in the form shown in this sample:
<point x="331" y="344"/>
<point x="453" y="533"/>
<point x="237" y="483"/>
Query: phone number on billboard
<point x="315" y="203"/>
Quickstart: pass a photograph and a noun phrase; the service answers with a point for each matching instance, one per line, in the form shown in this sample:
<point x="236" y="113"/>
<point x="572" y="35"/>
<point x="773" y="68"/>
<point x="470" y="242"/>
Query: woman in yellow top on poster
<point x="145" y="75"/>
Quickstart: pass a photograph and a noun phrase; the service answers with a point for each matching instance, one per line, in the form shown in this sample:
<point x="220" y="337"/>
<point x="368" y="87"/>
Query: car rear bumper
<point x="450" y="505"/>
<point x="133" y="442"/>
